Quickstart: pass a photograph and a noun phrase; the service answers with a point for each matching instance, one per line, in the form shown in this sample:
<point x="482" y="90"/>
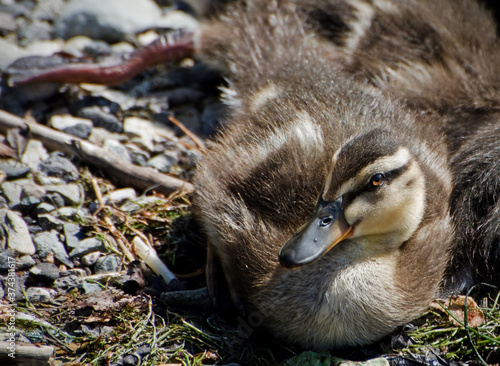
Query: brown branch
<point x="123" y="172"/>
<point x="166" y="49"/>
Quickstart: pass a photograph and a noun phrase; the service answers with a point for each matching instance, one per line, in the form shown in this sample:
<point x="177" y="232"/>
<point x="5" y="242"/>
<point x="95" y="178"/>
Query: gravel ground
<point x="66" y="225"/>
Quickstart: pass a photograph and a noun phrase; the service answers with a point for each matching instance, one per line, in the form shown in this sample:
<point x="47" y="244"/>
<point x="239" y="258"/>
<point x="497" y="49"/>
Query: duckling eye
<point x="377" y="180"/>
<point x="325" y="221"/>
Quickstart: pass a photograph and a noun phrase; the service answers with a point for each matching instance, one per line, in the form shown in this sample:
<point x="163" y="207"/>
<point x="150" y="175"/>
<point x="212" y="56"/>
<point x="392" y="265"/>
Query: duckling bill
<point x="326" y="227"/>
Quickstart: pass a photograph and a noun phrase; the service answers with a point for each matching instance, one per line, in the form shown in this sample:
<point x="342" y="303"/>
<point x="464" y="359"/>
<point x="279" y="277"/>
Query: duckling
<point x="440" y="59"/>
<point x="326" y="206"/>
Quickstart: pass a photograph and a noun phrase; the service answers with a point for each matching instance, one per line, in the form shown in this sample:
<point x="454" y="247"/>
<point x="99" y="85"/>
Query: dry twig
<point x="122" y="171"/>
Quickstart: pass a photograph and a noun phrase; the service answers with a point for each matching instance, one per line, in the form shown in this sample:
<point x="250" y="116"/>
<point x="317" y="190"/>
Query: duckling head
<point x="374" y="195"/>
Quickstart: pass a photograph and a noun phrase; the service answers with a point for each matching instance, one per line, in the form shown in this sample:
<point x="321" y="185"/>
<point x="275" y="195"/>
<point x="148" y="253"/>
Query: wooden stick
<point x="199" y="142"/>
<point x="123" y="172"/>
<point x="26" y="351"/>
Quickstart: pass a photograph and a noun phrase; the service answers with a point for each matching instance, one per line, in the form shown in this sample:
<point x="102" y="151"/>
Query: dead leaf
<point x="456" y="306"/>
<point x="18" y="140"/>
<point x="6" y="151"/>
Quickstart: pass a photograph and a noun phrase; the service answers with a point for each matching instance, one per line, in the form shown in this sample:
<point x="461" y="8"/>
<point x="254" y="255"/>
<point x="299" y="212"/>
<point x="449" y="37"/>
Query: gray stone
<point x="44" y="207"/>
<point x="75" y="126"/>
<point x="47" y="10"/>
<point x="73" y="234"/>
<point x="72" y="193"/>
<point x="79" y="272"/>
<point x="48" y="242"/>
<point x="14" y="169"/>
<point x="18" y="235"/>
<point x="46" y="272"/>
<point x="67" y="282"/>
<point x="176" y="19"/>
<point x="89" y="288"/>
<point x="30" y="189"/>
<point x="70" y="213"/>
<point x="140" y="202"/>
<point x="6" y="260"/>
<point x="87" y="246"/>
<point x="108" y="20"/>
<point x="3" y="202"/>
<point x="118" y="149"/>
<point x="49" y="222"/>
<point x="59" y="166"/>
<point x="90" y="259"/>
<point x="137" y="155"/>
<point x="39" y="294"/>
<point x="10" y="53"/>
<point x="25" y="262"/>
<point x="34" y="154"/>
<point x="54" y="199"/>
<point x="28" y="201"/>
<point x="107" y="264"/>
<point x="76" y="46"/>
<point x="163" y="162"/>
<point x="7" y="22"/>
<point x="12" y="192"/>
<point x="101" y="118"/>
<point x="35" y="28"/>
<point x="119" y="195"/>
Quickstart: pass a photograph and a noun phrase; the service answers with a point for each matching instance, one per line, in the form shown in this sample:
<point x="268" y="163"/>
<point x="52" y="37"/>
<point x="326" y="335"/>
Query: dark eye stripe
<point x="388" y="178"/>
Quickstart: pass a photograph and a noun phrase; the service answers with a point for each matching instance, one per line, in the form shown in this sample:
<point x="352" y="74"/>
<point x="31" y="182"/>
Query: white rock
<point x="76" y="126"/>
<point x="72" y="192"/>
<point x="117" y="148"/>
<point x="39" y="294"/>
<point x="120" y="195"/>
<point x="108" y="20"/>
<point x="10" y="53"/>
<point x="90" y="259"/>
<point x="176" y="19"/>
<point x="34" y="154"/>
<point x="48" y="242"/>
<point x="18" y="236"/>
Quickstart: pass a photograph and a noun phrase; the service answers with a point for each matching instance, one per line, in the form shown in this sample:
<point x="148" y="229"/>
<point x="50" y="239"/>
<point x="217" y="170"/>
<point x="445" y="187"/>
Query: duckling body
<point x="299" y="130"/>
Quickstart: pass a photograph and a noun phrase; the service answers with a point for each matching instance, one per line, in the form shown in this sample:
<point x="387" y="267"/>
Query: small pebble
<point x="73" y="234"/>
<point x="107" y="264"/>
<point x="48" y="242"/>
<point x="90" y="259"/>
<point x="18" y="235"/>
<point x="39" y="294"/>
<point x="66" y="282"/>
<point x="44" y="207"/>
<point x="25" y="262"/>
<point x="14" y="169"/>
<point x="118" y="196"/>
<point x="89" y="288"/>
<point x="59" y="166"/>
<point x="75" y="126"/>
<point x="34" y="154"/>
<point x="71" y="193"/>
<point x="47" y="272"/>
<point x="87" y="246"/>
<point x="100" y="118"/>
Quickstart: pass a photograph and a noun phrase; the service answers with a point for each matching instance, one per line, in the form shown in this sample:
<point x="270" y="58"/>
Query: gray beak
<point x="325" y="228"/>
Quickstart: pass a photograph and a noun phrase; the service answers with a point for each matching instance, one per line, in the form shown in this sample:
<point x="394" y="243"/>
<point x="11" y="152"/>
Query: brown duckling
<point x="440" y="59"/>
<point x="327" y="207"/>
